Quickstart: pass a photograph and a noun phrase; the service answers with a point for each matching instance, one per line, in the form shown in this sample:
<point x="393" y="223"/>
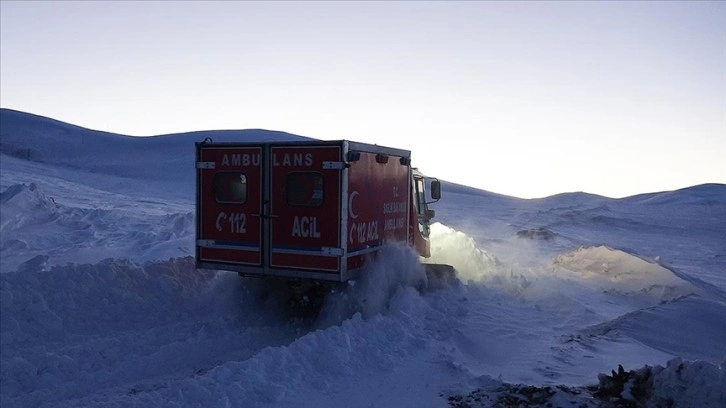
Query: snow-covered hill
<point x="101" y="304"/>
<point x="163" y="162"/>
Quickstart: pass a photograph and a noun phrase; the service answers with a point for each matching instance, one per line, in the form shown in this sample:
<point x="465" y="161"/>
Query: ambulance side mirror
<point x="435" y="189"/>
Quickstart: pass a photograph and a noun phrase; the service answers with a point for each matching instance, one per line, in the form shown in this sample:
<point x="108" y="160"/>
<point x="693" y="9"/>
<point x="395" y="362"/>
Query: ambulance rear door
<point x="229" y="204"/>
<point x="305" y="210"/>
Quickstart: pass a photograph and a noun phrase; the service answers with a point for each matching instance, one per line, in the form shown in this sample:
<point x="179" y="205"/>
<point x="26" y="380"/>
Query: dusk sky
<point x="521" y="98"/>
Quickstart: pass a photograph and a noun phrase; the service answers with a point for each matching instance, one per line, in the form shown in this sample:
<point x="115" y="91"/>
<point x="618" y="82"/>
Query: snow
<point x="101" y="304"/>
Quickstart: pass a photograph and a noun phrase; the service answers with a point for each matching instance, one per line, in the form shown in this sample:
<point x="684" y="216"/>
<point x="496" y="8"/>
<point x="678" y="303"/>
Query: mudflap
<point x="439" y="276"/>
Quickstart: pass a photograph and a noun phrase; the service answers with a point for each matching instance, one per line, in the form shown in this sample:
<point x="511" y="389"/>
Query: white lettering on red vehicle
<point x="352" y="214"/>
<point x="394" y="207"/>
<point x="362" y="232"/>
<point x="393" y="224"/>
<point x="236" y="222"/>
<point x="240" y="160"/>
<point x="295" y="159"/>
<point x="305" y="227"/>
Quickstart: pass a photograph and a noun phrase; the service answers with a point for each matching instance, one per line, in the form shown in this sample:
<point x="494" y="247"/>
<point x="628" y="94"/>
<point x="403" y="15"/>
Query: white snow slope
<point x="101" y="304"/>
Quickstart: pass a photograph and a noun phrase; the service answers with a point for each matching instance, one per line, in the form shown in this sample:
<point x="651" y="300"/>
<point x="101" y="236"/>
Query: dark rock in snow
<point x="536" y="233"/>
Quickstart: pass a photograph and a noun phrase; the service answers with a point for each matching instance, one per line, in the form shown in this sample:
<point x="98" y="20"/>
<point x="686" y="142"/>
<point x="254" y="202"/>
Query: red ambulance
<point x="311" y="210"/>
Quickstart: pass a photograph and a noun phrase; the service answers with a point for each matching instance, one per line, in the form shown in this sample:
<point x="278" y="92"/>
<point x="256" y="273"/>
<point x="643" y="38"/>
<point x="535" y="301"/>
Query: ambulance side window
<point x="420" y="197"/>
<point x="423" y="225"/>
<point x="230" y="188"/>
<point x="304" y="189"/>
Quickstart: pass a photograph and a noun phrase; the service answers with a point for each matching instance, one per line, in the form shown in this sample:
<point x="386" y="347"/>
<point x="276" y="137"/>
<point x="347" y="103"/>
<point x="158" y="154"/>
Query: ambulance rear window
<point x="230" y="188"/>
<point x="305" y="189"/>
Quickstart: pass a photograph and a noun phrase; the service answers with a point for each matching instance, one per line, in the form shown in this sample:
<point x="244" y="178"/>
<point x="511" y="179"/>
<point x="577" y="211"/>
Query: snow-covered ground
<point x="101" y="304"/>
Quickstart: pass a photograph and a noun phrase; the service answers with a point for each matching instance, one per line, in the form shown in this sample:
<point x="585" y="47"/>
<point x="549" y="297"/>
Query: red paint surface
<point x="378" y="203"/>
<point x="238" y="224"/>
<point x="291" y="227"/>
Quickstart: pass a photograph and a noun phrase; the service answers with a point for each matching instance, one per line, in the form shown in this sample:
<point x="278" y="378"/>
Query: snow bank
<point x="619" y="272"/>
<point x="73" y="330"/>
<point x="46" y="311"/>
<point x="41" y="306"/>
<point x="690" y="384"/>
<point x="118" y="334"/>
<point x="24" y="205"/>
<point x="167" y="333"/>
<point x="318" y="363"/>
<point x="678" y="384"/>
<point x="33" y="223"/>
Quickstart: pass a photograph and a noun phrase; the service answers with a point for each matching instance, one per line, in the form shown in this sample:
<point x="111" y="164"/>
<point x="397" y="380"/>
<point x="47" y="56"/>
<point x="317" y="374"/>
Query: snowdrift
<point x="34" y="223"/>
<point x="117" y="333"/>
<point x="73" y="330"/>
<point x="617" y="271"/>
<point x="678" y="384"/>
